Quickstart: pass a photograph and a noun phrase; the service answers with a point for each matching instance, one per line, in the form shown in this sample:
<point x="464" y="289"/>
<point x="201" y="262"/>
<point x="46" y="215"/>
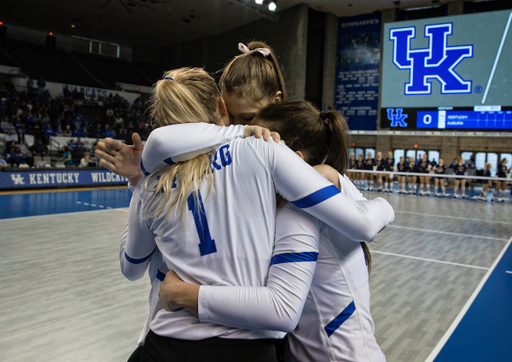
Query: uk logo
<point x="397" y="119"/>
<point x="17" y="179"/>
<point x="438" y="61"/>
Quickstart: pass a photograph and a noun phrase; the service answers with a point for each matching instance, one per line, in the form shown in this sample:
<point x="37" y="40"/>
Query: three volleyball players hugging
<point x="247" y="238"/>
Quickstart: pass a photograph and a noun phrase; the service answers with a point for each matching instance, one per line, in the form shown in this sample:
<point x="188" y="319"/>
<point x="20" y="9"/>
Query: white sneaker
<point x="500" y="199"/>
<point x="464" y="197"/>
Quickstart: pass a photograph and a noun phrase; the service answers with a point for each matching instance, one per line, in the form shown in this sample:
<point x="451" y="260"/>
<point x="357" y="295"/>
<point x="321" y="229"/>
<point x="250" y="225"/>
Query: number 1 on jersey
<point x="206" y="243"/>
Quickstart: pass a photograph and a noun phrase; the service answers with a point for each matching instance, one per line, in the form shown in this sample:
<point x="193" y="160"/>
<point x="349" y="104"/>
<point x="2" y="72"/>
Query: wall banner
<point x="25" y="179"/>
<point x="357" y="70"/>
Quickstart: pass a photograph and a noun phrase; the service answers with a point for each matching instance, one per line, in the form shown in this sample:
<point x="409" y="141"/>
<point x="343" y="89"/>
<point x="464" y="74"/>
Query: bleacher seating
<point x="111" y="70"/>
<point x="53" y="64"/>
<point x="28" y="138"/>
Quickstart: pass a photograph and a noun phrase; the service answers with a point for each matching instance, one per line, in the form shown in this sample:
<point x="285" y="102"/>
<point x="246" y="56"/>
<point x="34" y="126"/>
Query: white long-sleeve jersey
<point x="293" y="178"/>
<point x="229" y="236"/>
<point x="156" y="272"/>
<point x="336" y="324"/>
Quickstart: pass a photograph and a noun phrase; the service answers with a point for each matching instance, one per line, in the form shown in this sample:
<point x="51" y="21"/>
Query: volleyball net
<point x="432" y="175"/>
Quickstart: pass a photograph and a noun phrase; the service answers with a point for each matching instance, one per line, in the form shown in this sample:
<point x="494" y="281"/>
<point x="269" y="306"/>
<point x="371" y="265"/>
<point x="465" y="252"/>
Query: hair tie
<point x="169" y="78"/>
<point x="244" y="49"/>
<point x="325" y="118"/>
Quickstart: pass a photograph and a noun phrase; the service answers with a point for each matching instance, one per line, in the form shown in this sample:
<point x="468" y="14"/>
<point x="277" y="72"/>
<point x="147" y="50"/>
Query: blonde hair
<point x="253" y="75"/>
<point x="185" y="95"/>
<point x="487" y="167"/>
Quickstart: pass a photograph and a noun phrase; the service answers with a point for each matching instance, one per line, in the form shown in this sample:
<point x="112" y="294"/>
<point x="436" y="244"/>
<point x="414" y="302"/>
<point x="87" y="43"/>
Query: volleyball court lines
<point x="481" y="331"/>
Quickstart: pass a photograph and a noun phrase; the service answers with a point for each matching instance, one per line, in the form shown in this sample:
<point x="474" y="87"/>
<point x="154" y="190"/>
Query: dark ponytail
<point x="322" y="137"/>
<point x="337" y="154"/>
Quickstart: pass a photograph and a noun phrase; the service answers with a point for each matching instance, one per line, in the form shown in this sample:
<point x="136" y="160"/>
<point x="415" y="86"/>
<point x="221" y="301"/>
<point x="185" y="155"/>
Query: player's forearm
<point x="182" y="295"/>
<point x="176" y="143"/>
<point x="138" y="242"/>
<point x="300" y="184"/>
<point x="277" y="306"/>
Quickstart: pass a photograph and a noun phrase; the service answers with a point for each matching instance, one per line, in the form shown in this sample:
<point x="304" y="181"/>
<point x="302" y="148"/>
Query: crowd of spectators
<point x="35" y="112"/>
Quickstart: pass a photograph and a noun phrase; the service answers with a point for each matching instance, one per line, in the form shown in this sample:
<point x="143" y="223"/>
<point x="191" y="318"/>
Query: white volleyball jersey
<point x="335" y="324"/>
<point x="156" y="272"/>
<point x="228" y="236"/>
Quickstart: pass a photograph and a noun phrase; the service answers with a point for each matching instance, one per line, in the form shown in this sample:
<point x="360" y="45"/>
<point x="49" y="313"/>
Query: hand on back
<point x="259" y="132"/>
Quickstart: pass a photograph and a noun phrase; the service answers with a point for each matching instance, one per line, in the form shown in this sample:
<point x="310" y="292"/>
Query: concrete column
<point x="449" y="149"/>
<point x="383" y="144"/>
<point x="296" y="70"/>
<point x="455" y="8"/>
<point x="387" y="16"/>
<point x="330" y="47"/>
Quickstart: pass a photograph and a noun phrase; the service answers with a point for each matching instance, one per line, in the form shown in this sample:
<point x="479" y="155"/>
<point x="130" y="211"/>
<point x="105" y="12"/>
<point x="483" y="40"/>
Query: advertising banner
<point x="65" y="177"/>
<point x="357" y="70"/>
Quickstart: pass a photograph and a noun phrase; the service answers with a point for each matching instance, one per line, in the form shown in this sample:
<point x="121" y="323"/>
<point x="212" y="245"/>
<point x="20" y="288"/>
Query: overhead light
<point x="72" y="25"/>
<point x="272" y="6"/>
<point x="259" y="2"/>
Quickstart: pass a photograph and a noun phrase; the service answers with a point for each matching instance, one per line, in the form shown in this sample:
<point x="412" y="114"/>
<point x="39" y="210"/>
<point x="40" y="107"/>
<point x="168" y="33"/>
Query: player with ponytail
<point x="342" y="270"/>
<point x="251" y="81"/>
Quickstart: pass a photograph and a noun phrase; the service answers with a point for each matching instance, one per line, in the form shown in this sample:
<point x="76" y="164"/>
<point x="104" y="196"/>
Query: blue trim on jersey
<point x="317" y="197"/>
<point x="340" y="319"/>
<point x="137" y="261"/>
<point x="169" y="161"/>
<point x="159" y="275"/>
<point x="294" y="257"/>
<point x="142" y="168"/>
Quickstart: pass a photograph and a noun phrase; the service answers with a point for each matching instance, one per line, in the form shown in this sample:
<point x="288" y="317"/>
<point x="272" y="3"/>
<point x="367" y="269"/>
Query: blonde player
<point x="439" y="181"/>
<point x="460" y="170"/>
<point x="388" y="177"/>
<point x="402" y="167"/>
<point x="486" y="183"/>
<point x="336" y="323"/>
<point x="352" y="163"/>
<point x="502" y="173"/>
<point x="243" y="174"/>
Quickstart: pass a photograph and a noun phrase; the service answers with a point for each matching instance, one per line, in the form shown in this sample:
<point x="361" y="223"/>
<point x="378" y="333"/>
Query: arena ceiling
<point x="158" y="23"/>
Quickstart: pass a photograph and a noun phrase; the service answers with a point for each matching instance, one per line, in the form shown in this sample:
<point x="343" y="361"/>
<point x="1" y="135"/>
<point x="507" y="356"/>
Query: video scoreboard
<point x="448" y="73"/>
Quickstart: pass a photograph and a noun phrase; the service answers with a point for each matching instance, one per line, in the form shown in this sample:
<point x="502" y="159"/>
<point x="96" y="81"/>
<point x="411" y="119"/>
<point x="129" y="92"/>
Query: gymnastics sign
<point x="357" y="70"/>
<point x="69" y="177"/>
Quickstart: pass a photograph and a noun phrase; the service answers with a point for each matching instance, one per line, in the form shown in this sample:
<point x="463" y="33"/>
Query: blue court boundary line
<point x="124" y="209"/>
<point x="54" y="203"/>
<point x="433" y="355"/>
